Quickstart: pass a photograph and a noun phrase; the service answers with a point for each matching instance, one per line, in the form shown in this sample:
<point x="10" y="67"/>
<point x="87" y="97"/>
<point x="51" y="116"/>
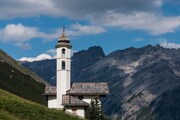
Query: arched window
<point x="63" y="52"/>
<point x="63" y="66"/>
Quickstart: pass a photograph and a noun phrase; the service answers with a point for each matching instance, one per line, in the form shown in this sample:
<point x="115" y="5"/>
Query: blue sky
<point x="29" y="28"/>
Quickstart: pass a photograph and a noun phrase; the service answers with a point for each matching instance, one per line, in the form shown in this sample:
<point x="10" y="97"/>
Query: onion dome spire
<point x="63" y="40"/>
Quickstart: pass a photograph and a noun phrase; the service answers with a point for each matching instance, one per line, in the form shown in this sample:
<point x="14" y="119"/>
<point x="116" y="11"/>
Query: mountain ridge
<point x="19" y="80"/>
<point x="5" y="57"/>
<point x="139" y="79"/>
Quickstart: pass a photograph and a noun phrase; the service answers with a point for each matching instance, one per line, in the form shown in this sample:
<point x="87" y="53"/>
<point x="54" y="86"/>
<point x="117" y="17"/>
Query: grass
<point x="13" y="107"/>
<point x="21" y="84"/>
<point x="6" y="116"/>
<point x="5" y="57"/>
<point x="17" y="80"/>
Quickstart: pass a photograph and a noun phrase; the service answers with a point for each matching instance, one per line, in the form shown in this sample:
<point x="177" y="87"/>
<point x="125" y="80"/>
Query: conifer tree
<point x="94" y="112"/>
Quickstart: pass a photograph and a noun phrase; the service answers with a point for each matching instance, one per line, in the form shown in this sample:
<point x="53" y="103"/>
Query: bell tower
<point x="63" y="66"/>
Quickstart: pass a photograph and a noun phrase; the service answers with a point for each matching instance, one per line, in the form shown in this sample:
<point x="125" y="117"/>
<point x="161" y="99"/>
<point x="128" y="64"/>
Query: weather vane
<point x="63" y="28"/>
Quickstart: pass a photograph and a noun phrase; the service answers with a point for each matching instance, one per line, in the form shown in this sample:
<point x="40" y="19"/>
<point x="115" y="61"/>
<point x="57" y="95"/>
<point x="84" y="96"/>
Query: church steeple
<point x="63" y="40"/>
<point x="63" y="77"/>
<point x="63" y="33"/>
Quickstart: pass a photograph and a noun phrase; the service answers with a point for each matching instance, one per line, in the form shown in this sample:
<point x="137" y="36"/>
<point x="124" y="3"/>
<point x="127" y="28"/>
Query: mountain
<point x="85" y="59"/>
<point x="144" y="82"/>
<point x="19" y="80"/>
<point x="13" y="107"/>
<point x="4" y="57"/>
<point x="47" y="68"/>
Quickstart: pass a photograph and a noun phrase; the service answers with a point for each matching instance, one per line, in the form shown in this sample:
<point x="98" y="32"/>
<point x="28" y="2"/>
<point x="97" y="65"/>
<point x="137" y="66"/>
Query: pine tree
<point x="94" y="111"/>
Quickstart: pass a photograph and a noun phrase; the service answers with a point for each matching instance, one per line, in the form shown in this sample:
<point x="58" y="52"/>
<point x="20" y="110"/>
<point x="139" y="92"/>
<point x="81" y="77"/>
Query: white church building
<point x="71" y="97"/>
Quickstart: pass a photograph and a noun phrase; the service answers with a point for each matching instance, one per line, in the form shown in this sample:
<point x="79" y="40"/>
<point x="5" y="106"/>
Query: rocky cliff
<point x="144" y="82"/>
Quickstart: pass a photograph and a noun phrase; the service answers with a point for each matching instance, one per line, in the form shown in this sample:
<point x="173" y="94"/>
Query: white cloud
<point x="51" y="52"/>
<point x="20" y="35"/>
<point x="166" y="44"/>
<point x="81" y="30"/>
<point x="158" y="3"/>
<point x="38" y="58"/>
<point x="74" y="9"/>
<point x="26" y="8"/>
<point x="138" y="39"/>
<point x="22" y="45"/>
<point x="153" y="23"/>
<point x="48" y="55"/>
<point x="143" y="15"/>
<point x="14" y="32"/>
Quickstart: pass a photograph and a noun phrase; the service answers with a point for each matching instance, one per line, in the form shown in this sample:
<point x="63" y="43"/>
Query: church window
<point x="80" y="97"/>
<point x="63" y="52"/>
<point x="63" y="65"/>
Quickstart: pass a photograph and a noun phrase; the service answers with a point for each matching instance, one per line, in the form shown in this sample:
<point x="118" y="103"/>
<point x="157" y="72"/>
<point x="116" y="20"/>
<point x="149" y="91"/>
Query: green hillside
<point x="8" y="59"/>
<point x="17" y="80"/>
<point x="15" y="108"/>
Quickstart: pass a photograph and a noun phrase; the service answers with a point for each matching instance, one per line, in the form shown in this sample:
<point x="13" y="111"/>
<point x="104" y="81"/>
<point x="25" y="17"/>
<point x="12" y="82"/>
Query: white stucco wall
<point x="67" y="52"/>
<point x="79" y="111"/>
<point x="88" y="99"/>
<point x="52" y="102"/>
<point x="63" y="75"/>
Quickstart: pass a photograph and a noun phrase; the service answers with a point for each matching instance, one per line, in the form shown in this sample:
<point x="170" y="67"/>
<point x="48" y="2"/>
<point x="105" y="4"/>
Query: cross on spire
<point x="63" y="28"/>
<point x="63" y="33"/>
<point x="63" y="40"/>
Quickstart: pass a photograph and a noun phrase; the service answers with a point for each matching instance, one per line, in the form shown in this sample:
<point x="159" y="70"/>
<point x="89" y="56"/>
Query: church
<point x="73" y="98"/>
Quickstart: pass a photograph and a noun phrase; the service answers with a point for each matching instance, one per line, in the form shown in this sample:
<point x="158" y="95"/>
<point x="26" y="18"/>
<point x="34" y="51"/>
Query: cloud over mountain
<point x="38" y="58"/>
<point x="47" y="55"/>
<point x="166" y="44"/>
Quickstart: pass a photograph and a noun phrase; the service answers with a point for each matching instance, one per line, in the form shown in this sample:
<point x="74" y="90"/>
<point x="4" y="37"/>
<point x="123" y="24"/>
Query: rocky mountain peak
<point x="144" y="82"/>
<point x="95" y="51"/>
<point x="85" y="58"/>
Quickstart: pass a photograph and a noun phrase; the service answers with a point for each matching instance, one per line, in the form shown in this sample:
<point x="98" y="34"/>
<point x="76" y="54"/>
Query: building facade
<point x="76" y="97"/>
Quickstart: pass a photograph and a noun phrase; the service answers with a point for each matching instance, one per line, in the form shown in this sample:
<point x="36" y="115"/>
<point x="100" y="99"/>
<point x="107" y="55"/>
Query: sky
<point x="30" y="28"/>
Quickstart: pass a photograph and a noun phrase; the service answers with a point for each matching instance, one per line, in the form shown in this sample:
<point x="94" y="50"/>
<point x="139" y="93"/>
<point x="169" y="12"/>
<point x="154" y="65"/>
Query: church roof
<point x="88" y="88"/>
<point x="50" y="90"/>
<point x="82" y="88"/>
<point x="68" y="100"/>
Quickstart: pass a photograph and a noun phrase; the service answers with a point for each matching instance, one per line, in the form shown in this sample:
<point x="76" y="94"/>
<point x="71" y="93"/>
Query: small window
<point x="63" y="65"/>
<point x="63" y="52"/>
<point x="80" y="97"/>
